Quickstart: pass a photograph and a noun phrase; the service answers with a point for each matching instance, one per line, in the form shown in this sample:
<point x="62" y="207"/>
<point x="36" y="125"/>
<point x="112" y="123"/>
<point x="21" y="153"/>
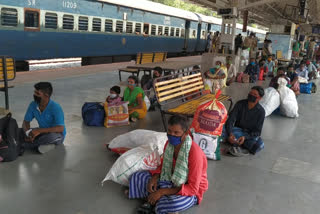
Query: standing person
<point x="250" y="43"/>
<point x="311" y="49"/>
<point x="296" y="49"/>
<point x="180" y="181"/>
<point x="232" y="71"/>
<point x="312" y="70"/>
<point x="50" y="118"/>
<point x="252" y="70"/>
<point x="209" y="41"/>
<point x="135" y="95"/>
<point x="263" y="70"/>
<point x="244" y="125"/>
<point x="238" y="43"/>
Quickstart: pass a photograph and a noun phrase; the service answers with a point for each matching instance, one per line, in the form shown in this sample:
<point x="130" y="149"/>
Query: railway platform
<point x="283" y="178"/>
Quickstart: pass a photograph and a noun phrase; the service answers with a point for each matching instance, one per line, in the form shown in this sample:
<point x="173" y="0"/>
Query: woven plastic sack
<point x="288" y="105"/>
<point x="270" y="101"/>
<point x="116" y="114"/>
<point x="209" y="144"/>
<point x="145" y="157"/>
<point x="136" y="138"/>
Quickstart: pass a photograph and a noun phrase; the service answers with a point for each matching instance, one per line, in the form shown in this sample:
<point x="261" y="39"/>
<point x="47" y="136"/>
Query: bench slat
<point x="179" y="84"/>
<point x="176" y="79"/>
<point x="179" y="89"/>
<point x="180" y="93"/>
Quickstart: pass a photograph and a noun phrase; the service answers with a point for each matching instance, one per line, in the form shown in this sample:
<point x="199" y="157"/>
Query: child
<point x="114" y="97"/>
<point x="263" y="70"/>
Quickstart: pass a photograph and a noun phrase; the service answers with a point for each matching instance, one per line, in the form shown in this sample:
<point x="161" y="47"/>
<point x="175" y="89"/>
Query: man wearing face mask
<point x="253" y="70"/>
<point x="244" y="125"/>
<point x="232" y="72"/>
<point x="50" y="117"/>
<point x="180" y="181"/>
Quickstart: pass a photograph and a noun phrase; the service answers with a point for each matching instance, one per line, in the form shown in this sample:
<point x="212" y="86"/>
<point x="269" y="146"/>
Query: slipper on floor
<point x="146" y="208"/>
<point x="237" y="152"/>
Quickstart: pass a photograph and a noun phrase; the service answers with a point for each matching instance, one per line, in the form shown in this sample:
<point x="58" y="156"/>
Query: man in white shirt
<point x="302" y="71"/>
<point x="232" y="71"/>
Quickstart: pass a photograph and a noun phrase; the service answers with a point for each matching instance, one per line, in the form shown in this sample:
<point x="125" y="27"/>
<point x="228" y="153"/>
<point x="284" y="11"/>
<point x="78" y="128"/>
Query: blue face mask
<point x="133" y="85"/>
<point x="253" y="63"/>
<point x="174" y="140"/>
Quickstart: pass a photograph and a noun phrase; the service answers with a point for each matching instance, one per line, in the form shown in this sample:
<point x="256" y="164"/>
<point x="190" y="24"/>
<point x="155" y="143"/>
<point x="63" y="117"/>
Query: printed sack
<point x="116" y="114"/>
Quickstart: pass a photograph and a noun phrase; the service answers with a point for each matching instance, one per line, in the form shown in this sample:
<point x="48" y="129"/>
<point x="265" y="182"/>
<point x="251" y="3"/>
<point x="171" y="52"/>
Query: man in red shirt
<point x="180" y="181"/>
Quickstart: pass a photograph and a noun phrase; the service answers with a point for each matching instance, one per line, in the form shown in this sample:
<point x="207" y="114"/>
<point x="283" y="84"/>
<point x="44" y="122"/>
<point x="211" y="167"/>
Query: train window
<point x="31" y="19"/>
<point x="96" y="25"/>
<point x="166" y="31"/>
<point x="153" y="30"/>
<point x="177" y="32"/>
<point x="129" y="28"/>
<point x="194" y="34"/>
<point x="108" y="25"/>
<point x="119" y="26"/>
<point x="68" y="22"/>
<point x="172" y="31"/>
<point x="183" y="34"/>
<point x="9" y="17"/>
<point x="160" y="30"/>
<point x="138" y="28"/>
<point x="83" y="23"/>
<point x="146" y="29"/>
<point x="51" y="20"/>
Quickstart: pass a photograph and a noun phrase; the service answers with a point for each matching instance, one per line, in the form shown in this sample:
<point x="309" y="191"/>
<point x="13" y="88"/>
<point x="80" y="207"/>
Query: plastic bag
<point x="136" y="138"/>
<point x="116" y="114"/>
<point x="145" y="157"/>
<point x="209" y="144"/>
<point x="147" y="101"/>
<point x="270" y="101"/>
<point x="306" y="88"/>
<point x="288" y="102"/>
<point x="210" y="117"/>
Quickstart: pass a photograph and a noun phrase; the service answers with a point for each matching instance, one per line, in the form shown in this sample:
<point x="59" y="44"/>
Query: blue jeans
<point x="252" y="144"/>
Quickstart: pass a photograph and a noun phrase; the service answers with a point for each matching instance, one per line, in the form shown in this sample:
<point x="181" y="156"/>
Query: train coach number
<point x="69" y="4"/>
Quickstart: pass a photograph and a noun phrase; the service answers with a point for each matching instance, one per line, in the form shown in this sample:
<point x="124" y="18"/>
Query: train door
<point x="187" y="35"/>
<point x="31" y="19"/>
<point x="198" y="38"/>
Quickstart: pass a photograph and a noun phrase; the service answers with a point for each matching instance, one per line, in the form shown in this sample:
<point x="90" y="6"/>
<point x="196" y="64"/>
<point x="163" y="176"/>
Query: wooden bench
<point x="7" y="73"/>
<point x="144" y="58"/>
<point x="182" y="95"/>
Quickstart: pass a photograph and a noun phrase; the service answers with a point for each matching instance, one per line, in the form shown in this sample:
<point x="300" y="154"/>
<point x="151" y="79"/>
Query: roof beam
<point x="255" y="4"/>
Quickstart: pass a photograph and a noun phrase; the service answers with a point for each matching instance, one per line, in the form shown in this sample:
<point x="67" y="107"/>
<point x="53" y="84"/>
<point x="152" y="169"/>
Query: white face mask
<point x="113" y="95"/>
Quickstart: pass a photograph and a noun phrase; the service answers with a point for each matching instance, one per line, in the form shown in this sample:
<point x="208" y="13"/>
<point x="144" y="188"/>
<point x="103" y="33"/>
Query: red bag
<point x="210" y="117"/>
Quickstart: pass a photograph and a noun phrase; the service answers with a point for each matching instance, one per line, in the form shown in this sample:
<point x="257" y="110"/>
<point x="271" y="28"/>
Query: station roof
<point x="267" y="12"/>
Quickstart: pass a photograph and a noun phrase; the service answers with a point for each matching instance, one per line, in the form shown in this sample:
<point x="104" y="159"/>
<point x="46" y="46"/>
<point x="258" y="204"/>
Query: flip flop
<point x="146" y="208"/>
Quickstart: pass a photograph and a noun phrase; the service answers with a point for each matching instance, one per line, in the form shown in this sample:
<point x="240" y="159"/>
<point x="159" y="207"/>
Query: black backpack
<point x="9" y="144"/>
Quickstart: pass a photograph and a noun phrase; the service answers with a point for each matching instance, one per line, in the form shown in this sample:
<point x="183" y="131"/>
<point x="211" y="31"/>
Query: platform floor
<point x="284" y="178"/>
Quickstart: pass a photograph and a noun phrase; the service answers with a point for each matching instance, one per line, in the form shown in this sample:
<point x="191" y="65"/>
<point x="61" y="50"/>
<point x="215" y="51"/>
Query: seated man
<point x="253" y="70"/>
<point x="302" y="71"/>
<point x="180" y="181"/>
<point x="148" y="83"/>
<point x="312" y="70"/>
<point x="50" y="118"/>
<point x="244" y="125"/>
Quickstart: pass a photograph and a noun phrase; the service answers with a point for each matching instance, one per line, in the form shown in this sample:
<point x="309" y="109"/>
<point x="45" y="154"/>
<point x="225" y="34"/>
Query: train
<point x="101" y="30"/>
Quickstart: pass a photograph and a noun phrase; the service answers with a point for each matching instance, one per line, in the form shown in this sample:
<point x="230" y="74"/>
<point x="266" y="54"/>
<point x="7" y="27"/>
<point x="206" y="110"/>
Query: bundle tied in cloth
<point x="207" y="126"/>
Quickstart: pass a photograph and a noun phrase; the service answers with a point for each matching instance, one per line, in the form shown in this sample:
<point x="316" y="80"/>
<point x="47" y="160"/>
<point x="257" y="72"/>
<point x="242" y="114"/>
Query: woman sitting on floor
<point x="135" y="95"/>
<point x="180" y="181"/>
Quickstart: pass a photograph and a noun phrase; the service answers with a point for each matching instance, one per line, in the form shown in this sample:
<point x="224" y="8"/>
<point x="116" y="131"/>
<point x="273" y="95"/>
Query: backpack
<point x="306" y="88"/>
<point x="93" y="114"/>
<point x="314" y="88"/>
<point x="9" y="143"/>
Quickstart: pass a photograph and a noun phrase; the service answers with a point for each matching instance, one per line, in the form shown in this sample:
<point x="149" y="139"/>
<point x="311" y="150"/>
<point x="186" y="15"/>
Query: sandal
<point x="146" y="208"/>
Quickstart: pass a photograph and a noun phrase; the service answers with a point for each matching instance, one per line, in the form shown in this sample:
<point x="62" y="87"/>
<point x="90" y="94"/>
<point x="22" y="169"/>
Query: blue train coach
<point x="98" y="30"/>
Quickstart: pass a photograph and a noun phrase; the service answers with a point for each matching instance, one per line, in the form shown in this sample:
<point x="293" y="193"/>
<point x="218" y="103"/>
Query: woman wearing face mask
<point x="217" y="76"/>
<point x="180" y="181"/>
<point x="135" y="96"/>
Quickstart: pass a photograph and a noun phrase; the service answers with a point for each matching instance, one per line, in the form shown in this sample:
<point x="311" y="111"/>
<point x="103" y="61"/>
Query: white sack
<point x="288" y="102"/>
<point x="270" y="101"/>
<point x="147" y="101"/>
<point x="139" y="137"/>
<point x="145" y="157"/>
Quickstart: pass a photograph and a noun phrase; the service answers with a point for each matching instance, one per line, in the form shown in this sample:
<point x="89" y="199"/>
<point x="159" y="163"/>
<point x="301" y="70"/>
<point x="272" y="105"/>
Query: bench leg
<point x="231" y="105"/>
<point x="120" y="76"/>
<point x="163" y="117"/>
